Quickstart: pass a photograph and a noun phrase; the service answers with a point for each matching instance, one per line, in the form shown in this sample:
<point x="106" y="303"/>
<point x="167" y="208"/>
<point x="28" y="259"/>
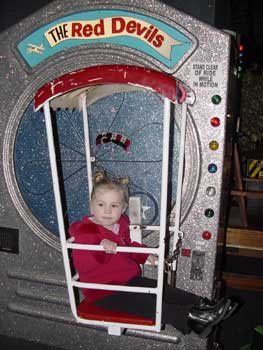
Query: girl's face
<point x="107" y="206"/>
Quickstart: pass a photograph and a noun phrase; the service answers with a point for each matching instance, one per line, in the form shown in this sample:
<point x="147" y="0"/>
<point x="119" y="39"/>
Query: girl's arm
<point x="85" y="260"/>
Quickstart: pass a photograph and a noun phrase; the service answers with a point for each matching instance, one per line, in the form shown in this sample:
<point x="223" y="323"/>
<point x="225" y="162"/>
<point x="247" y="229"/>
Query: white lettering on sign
<point x="206" y="76"/>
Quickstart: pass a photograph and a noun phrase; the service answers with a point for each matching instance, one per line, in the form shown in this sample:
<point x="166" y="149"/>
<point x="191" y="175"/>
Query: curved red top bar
<point x="161" y="83"/>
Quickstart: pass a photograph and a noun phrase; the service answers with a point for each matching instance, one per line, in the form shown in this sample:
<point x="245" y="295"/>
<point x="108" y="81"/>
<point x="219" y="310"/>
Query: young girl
<point x="108" y="226"/>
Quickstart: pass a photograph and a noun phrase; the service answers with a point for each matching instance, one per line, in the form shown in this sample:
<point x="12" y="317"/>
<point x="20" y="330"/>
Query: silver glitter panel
<point x="32" y="295"/>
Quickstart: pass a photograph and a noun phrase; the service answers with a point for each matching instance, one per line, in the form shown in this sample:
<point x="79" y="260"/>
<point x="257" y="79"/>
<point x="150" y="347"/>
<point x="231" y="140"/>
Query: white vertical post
<point x="163" y="210"/>
<point x="179" y="181"/>
<point x="86" y="138"/>
<point x="56" y="189"/>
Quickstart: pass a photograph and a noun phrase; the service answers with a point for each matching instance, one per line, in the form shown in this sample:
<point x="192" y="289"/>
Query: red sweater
<point x="101" y="267"/>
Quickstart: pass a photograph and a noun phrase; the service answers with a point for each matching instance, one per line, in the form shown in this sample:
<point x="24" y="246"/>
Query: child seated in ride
<point x="108" y="226"/>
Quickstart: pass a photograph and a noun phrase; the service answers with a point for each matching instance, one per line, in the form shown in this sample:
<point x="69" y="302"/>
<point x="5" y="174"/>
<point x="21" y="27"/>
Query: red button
<point x="215" y="122"/>
<point x="206" y="235"/>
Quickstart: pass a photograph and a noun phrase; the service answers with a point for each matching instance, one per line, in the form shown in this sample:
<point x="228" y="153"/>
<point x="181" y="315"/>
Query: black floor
<point x="7" y="343"/>
<point x="237" y="331"/>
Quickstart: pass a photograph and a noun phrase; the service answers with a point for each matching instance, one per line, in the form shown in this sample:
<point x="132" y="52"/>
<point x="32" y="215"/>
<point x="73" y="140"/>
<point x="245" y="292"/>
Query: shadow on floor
<point x="7" y="343"/>
<point x="237" y="331"/>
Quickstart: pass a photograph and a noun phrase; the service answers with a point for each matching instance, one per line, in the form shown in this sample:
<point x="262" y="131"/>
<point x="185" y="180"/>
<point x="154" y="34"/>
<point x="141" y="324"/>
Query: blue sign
<point x="145" y="34"/>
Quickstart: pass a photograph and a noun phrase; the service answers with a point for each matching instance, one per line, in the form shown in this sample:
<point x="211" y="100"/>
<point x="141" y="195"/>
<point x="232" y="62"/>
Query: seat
<point x="90" y="311"/>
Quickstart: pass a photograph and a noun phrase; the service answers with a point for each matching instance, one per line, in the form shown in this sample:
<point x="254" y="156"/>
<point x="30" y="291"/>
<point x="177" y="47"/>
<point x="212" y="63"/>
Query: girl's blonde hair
<point x="102" y="182"/>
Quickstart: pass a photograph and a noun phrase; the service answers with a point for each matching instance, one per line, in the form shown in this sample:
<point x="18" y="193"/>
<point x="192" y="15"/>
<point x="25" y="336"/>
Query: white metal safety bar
<point x="163" y="210"/>
<point x="118" y="249"/>
<point x="115" y="287"/>
<point x="83" y="103"/>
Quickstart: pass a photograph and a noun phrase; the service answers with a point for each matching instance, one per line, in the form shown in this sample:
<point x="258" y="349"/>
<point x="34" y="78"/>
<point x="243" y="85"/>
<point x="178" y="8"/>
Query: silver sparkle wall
<point x="34" y="300"/>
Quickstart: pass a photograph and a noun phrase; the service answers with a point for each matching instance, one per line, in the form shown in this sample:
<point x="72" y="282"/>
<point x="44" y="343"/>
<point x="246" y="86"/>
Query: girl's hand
<point x="109" y="246"/>
<point x="152" y="259"/>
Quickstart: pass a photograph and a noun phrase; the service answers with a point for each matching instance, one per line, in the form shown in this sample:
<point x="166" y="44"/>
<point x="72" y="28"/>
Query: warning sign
<point x="255" y="168"/>
<point x="206" y="75"/>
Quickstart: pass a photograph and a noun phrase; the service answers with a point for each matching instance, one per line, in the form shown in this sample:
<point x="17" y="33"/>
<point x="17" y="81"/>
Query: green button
<point x="209" y="213"/>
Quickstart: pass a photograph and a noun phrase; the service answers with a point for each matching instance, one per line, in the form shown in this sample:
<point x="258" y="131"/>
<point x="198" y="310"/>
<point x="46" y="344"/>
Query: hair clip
<point x="123" y="180"/>
<point x="98" y="176"/>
